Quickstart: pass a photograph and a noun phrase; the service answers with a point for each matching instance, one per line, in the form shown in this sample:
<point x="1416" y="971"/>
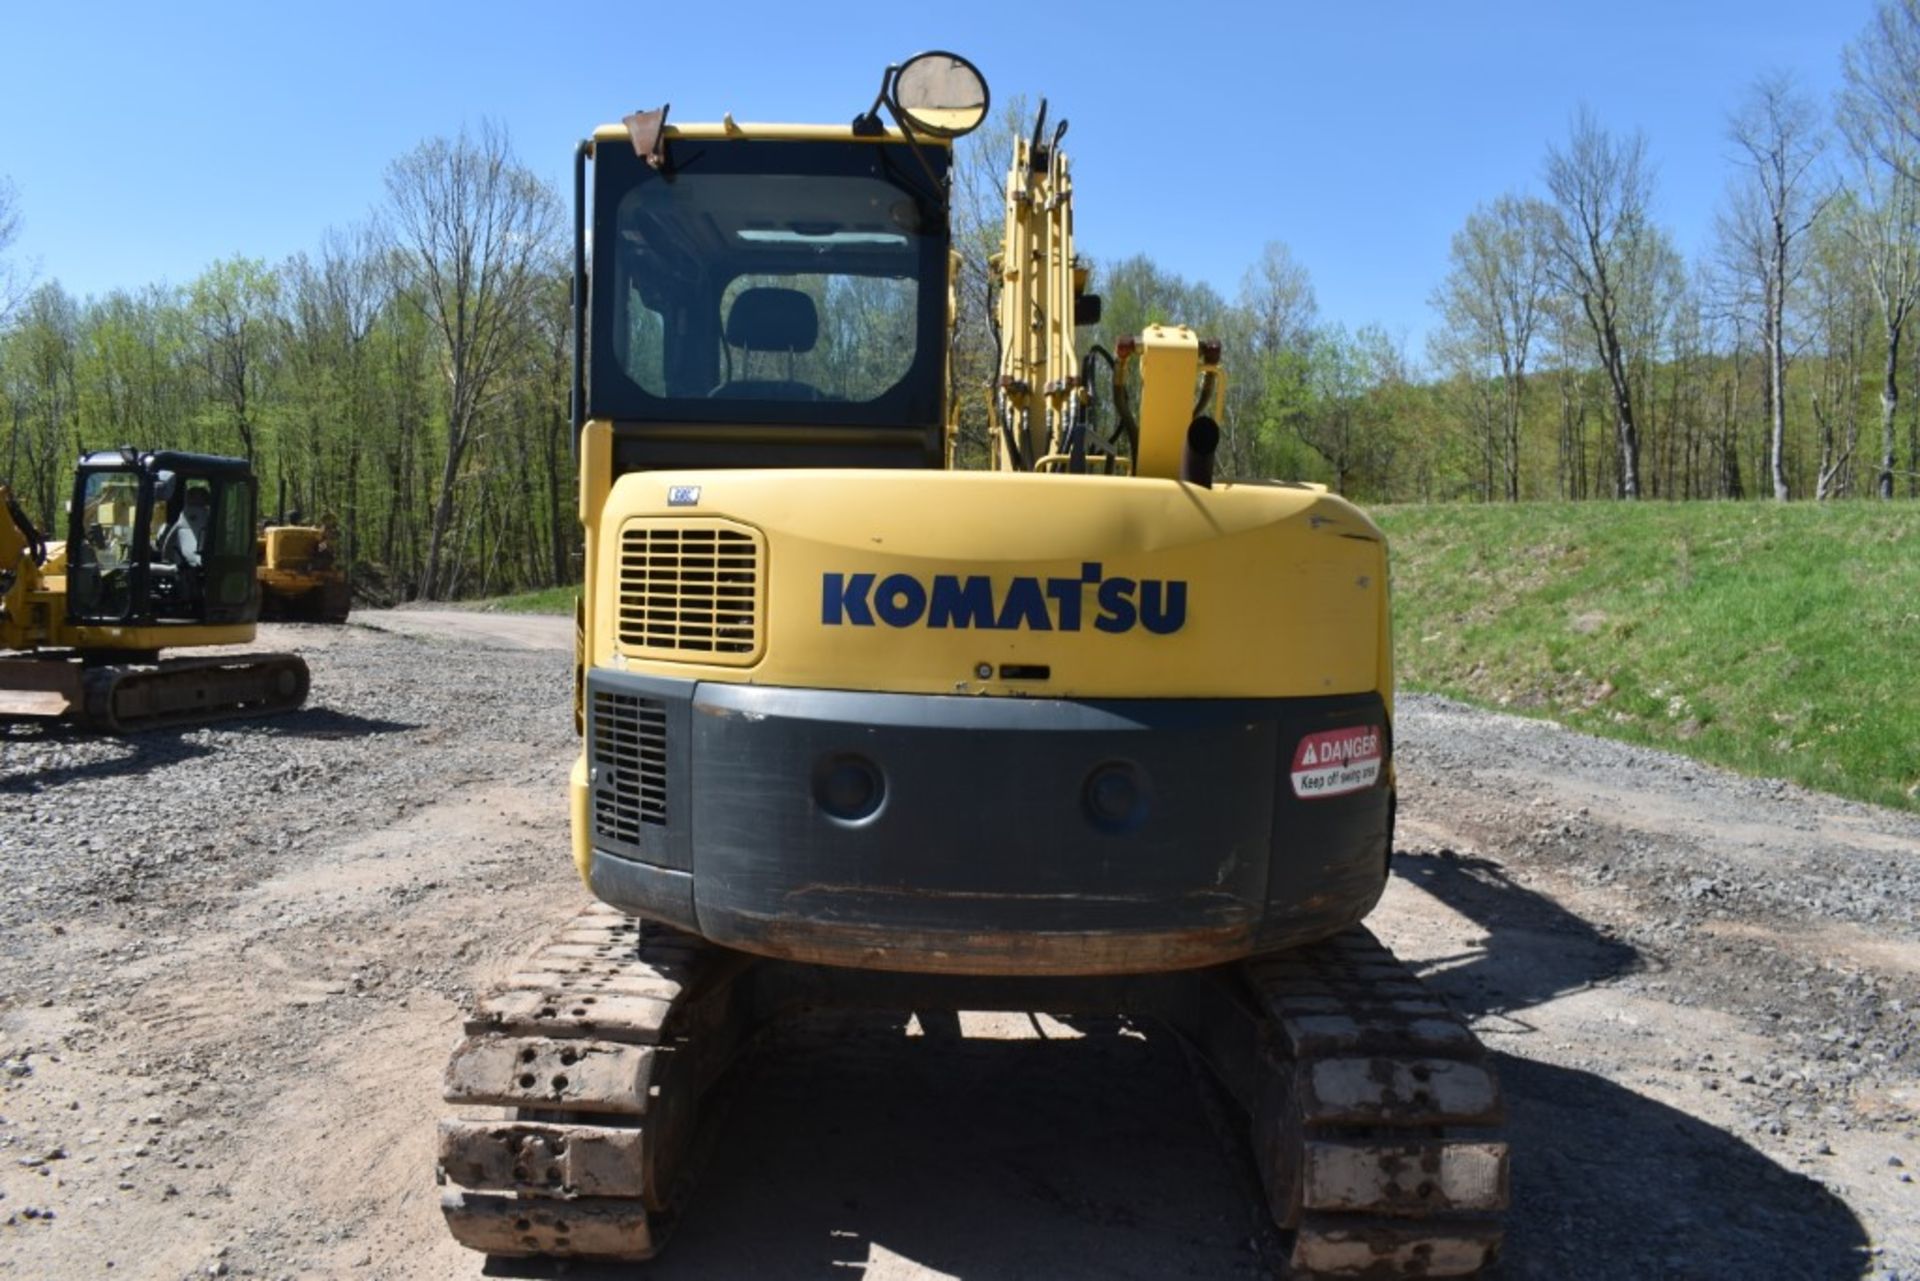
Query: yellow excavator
<point x="1087" y="733"/>
<point x="300" y="579"/>
<point x="159" y="555"/>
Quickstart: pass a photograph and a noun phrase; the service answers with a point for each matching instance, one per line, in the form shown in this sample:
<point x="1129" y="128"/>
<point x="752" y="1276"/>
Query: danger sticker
<point x="1337" y="762"/>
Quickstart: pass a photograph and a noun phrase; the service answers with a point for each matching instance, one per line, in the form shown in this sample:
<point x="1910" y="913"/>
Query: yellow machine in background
<point x="159" y="555"/>
<point x="299" y="578"/>
<point x="1087" y="733"/>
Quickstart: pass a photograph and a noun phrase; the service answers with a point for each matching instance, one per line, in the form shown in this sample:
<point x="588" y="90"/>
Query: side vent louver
<point x="630" y="766"/>
<point x="691" y="591"/>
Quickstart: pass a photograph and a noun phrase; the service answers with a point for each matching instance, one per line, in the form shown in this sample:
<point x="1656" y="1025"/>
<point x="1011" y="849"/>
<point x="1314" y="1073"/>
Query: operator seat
<point x="771" y="320"/>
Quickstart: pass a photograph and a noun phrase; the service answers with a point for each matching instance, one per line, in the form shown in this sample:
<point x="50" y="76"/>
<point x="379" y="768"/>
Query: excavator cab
<point x="161" y="538"/>
<point x="771" y="299"/>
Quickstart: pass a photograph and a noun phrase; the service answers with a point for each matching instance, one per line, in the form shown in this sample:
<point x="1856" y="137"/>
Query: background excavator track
<point x="125" y="699"/>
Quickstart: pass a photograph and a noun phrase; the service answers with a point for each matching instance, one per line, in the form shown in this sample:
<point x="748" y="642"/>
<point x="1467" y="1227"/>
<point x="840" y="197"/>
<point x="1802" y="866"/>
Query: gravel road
<point x="232" y="962"/>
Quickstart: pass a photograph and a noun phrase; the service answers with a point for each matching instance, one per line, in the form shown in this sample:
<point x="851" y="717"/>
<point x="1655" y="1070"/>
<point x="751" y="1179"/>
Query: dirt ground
<point x="232" y="963"/>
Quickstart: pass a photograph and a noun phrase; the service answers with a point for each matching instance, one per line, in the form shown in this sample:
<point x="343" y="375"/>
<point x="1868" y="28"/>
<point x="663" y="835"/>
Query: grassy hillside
<point x="1781" y="640"/>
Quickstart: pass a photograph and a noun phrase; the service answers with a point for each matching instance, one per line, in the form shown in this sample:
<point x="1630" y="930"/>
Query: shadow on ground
<point x="1608" y="1184"/>
<point x="851" y="1149"/>
<point x="120" y="756"/>
<point x="324" y="723"/>
<point x="1533" y="950"/>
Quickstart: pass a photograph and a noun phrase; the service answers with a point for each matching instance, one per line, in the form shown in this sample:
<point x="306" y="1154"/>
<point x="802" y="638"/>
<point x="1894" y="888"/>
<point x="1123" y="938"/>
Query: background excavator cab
<point x="161" y="538"/>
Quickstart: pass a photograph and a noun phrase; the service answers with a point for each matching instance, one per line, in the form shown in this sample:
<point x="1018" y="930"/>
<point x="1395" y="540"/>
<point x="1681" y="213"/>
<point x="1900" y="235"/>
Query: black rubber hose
<point x="36" y="541"/>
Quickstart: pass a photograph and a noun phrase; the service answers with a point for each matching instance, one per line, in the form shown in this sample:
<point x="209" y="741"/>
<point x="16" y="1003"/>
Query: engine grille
<point x="630" y="765"/>
<point x="691" y="591"/>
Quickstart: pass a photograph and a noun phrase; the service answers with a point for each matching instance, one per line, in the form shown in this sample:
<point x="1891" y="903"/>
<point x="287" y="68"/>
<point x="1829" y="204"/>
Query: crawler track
<point x="1375" y="1117"/>
<point x="600" y="1050"/>
<point x="125" y="699"/>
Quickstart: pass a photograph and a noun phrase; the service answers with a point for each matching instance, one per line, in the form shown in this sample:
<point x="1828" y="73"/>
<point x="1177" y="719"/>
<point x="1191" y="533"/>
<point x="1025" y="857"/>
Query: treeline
<point x="1578" y="354"/>
<point x="407" y="380"/>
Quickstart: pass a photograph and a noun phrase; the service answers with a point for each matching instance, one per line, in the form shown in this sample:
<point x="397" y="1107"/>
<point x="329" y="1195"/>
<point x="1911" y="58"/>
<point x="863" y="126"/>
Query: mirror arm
<point x="867" y="123"/>
<point x="919" y="154"/>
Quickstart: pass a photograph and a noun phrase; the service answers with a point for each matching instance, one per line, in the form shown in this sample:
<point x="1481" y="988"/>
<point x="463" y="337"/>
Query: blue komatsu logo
<point x="1034" y="604"/>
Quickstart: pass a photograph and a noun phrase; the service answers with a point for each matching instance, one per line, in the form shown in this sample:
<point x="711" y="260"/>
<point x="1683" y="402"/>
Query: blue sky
<point x="146" y="141"/>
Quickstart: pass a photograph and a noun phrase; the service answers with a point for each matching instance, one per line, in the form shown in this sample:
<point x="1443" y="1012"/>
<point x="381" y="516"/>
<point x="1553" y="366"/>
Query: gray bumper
<point x="975" y="835"/>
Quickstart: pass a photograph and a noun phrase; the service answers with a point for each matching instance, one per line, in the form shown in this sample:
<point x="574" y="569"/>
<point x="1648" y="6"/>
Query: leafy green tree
<point x="232" y="306"/>
<point x="1493" y="304"/>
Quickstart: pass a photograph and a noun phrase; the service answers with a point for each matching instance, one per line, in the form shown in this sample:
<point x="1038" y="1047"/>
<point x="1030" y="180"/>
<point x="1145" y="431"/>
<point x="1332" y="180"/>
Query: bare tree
<point x="1880" y="105"/>
<point x="1883" y="223"/>
<point x="1601" y="189"/>
<point x="14" y="281"/>
<point x="1494" y="302"/>
<point x="477" y="234"/>
<point x="1278" y="296"/>
<point x="1780" y="142"/>
<point x="1879" y="112"/>
<point x="1838" y="307"/>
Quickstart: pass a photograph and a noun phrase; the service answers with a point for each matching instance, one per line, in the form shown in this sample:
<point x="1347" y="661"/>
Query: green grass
<point x="1779" y="640"/>
<point x="548" y="600"/>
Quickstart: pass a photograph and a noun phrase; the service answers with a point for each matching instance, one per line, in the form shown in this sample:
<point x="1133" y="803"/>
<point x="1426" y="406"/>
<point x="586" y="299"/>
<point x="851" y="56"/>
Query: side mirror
<point x="1086" y="309"/>
<point x="939" y="94"/>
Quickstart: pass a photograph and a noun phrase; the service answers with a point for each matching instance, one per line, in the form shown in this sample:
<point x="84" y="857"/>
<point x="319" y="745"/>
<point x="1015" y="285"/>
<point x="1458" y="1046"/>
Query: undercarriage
<point x="126" y="696"/>
<point x="1371" y="1113"/>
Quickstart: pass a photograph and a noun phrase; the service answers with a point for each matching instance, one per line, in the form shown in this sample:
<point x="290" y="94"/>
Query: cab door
<point x="232" y="589"/>
<point x="107" y="547"/>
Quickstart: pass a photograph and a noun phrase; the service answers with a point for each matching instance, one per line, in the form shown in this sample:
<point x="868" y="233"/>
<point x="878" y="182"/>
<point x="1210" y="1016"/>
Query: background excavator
<point x="1087" y="733"/>
<point x="159" y="555"/>
<point x="300" y="576"/>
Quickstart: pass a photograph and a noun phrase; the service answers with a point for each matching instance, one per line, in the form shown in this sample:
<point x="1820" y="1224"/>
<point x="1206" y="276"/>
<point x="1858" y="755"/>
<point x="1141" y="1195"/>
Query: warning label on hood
<point x="1337" y="762"/>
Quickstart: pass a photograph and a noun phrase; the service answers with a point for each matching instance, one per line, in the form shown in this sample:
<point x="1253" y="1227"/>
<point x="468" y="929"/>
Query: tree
<point x="1840" y="315"/>
<point x="1879" y="113"/>
<point x="14" y="282"/>
<point x="1601" y="189"/>
<point x="1346" y="419"/>
<point x="40" y="363"/>
<point x="1268" y="340"/>
<point x="1880" y="104"/>
<point x="476" y="234"/>
<point x="330" y="310"/>
<point x="1779" y="142"/>
<point x="1494" y="302"/>
<point x="978" y="213"/>
<point x="232" y="306"/>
